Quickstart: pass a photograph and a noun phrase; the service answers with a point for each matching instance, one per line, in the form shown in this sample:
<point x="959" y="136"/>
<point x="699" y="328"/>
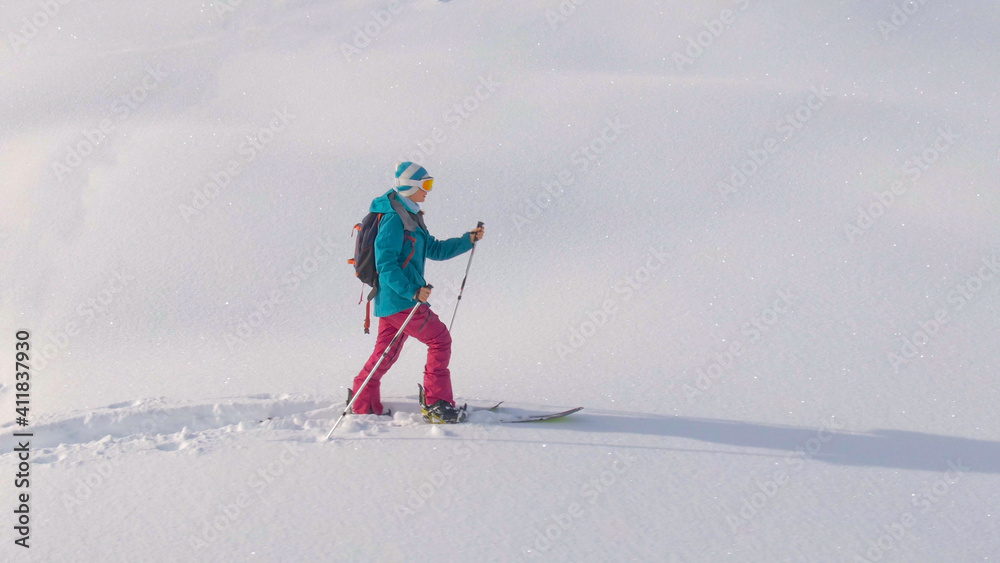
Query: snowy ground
<point x="756" y="241"/>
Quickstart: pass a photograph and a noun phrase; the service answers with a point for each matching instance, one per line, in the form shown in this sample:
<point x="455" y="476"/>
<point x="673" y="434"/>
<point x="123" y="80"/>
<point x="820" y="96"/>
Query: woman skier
<point x="402" y="246"/>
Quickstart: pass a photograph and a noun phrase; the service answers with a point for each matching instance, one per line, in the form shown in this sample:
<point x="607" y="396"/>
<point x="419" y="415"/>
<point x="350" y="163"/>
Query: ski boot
<point x="441" y="412"/>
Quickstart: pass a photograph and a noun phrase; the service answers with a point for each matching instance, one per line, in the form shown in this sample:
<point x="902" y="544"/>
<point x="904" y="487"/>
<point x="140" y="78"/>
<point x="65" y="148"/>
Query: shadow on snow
<point x="879" y="448"/>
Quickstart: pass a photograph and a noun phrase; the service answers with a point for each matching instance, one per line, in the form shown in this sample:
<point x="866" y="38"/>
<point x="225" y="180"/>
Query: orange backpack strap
<point x="413" y="249"/>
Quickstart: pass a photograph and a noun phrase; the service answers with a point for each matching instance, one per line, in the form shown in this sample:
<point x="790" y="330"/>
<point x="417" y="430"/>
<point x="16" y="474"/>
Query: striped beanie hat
<point x="405" y="172"/>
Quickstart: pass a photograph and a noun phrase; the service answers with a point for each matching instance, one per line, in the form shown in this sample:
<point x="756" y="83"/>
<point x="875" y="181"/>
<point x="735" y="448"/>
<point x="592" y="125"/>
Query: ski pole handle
<point x="479" y="225"/>
<point x="419" y="302"/>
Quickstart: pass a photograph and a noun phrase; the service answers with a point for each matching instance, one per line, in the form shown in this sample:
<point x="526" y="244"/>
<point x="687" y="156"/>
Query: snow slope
<point x="756" y="241"/>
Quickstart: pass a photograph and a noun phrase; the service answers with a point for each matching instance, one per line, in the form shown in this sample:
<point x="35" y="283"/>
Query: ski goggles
<point x="425" y="184"/>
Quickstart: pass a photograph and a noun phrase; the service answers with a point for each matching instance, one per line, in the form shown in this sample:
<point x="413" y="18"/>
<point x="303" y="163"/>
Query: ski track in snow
<point x="171" y="425"/>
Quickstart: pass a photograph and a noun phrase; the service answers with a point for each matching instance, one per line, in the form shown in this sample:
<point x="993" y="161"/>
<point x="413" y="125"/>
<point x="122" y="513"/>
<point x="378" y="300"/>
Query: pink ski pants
<point x="426" y="327"/>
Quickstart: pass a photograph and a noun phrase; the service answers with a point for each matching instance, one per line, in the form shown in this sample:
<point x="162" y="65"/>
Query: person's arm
<point x="445" y="249"/>
<point x="388" y="245"/>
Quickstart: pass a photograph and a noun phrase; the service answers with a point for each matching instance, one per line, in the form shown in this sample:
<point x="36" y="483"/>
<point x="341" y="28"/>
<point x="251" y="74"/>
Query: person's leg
<point x="370" y="400"/>
<point x="428" y="328"/>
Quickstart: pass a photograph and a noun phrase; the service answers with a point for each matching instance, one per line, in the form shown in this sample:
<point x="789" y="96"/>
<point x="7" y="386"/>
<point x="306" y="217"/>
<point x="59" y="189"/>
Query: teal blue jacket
<point x="402" y="246"/>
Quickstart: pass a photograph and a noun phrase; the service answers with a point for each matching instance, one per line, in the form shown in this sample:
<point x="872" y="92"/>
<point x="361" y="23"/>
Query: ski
<point x="526" y="418"/>
<point x="494" y="408"/>
<point x="541" y="417"/>
<point x="464" y="410"/>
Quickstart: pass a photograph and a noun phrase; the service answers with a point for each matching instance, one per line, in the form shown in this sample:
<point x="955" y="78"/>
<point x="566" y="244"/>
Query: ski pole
<point x="385" y="354"/>
<point x="469" y="265"/>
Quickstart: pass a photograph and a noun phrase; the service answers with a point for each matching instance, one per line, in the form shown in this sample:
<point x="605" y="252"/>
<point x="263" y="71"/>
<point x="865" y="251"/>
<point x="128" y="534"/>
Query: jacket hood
<point x="382" y="204"/>
<point x="389" y="203"/>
